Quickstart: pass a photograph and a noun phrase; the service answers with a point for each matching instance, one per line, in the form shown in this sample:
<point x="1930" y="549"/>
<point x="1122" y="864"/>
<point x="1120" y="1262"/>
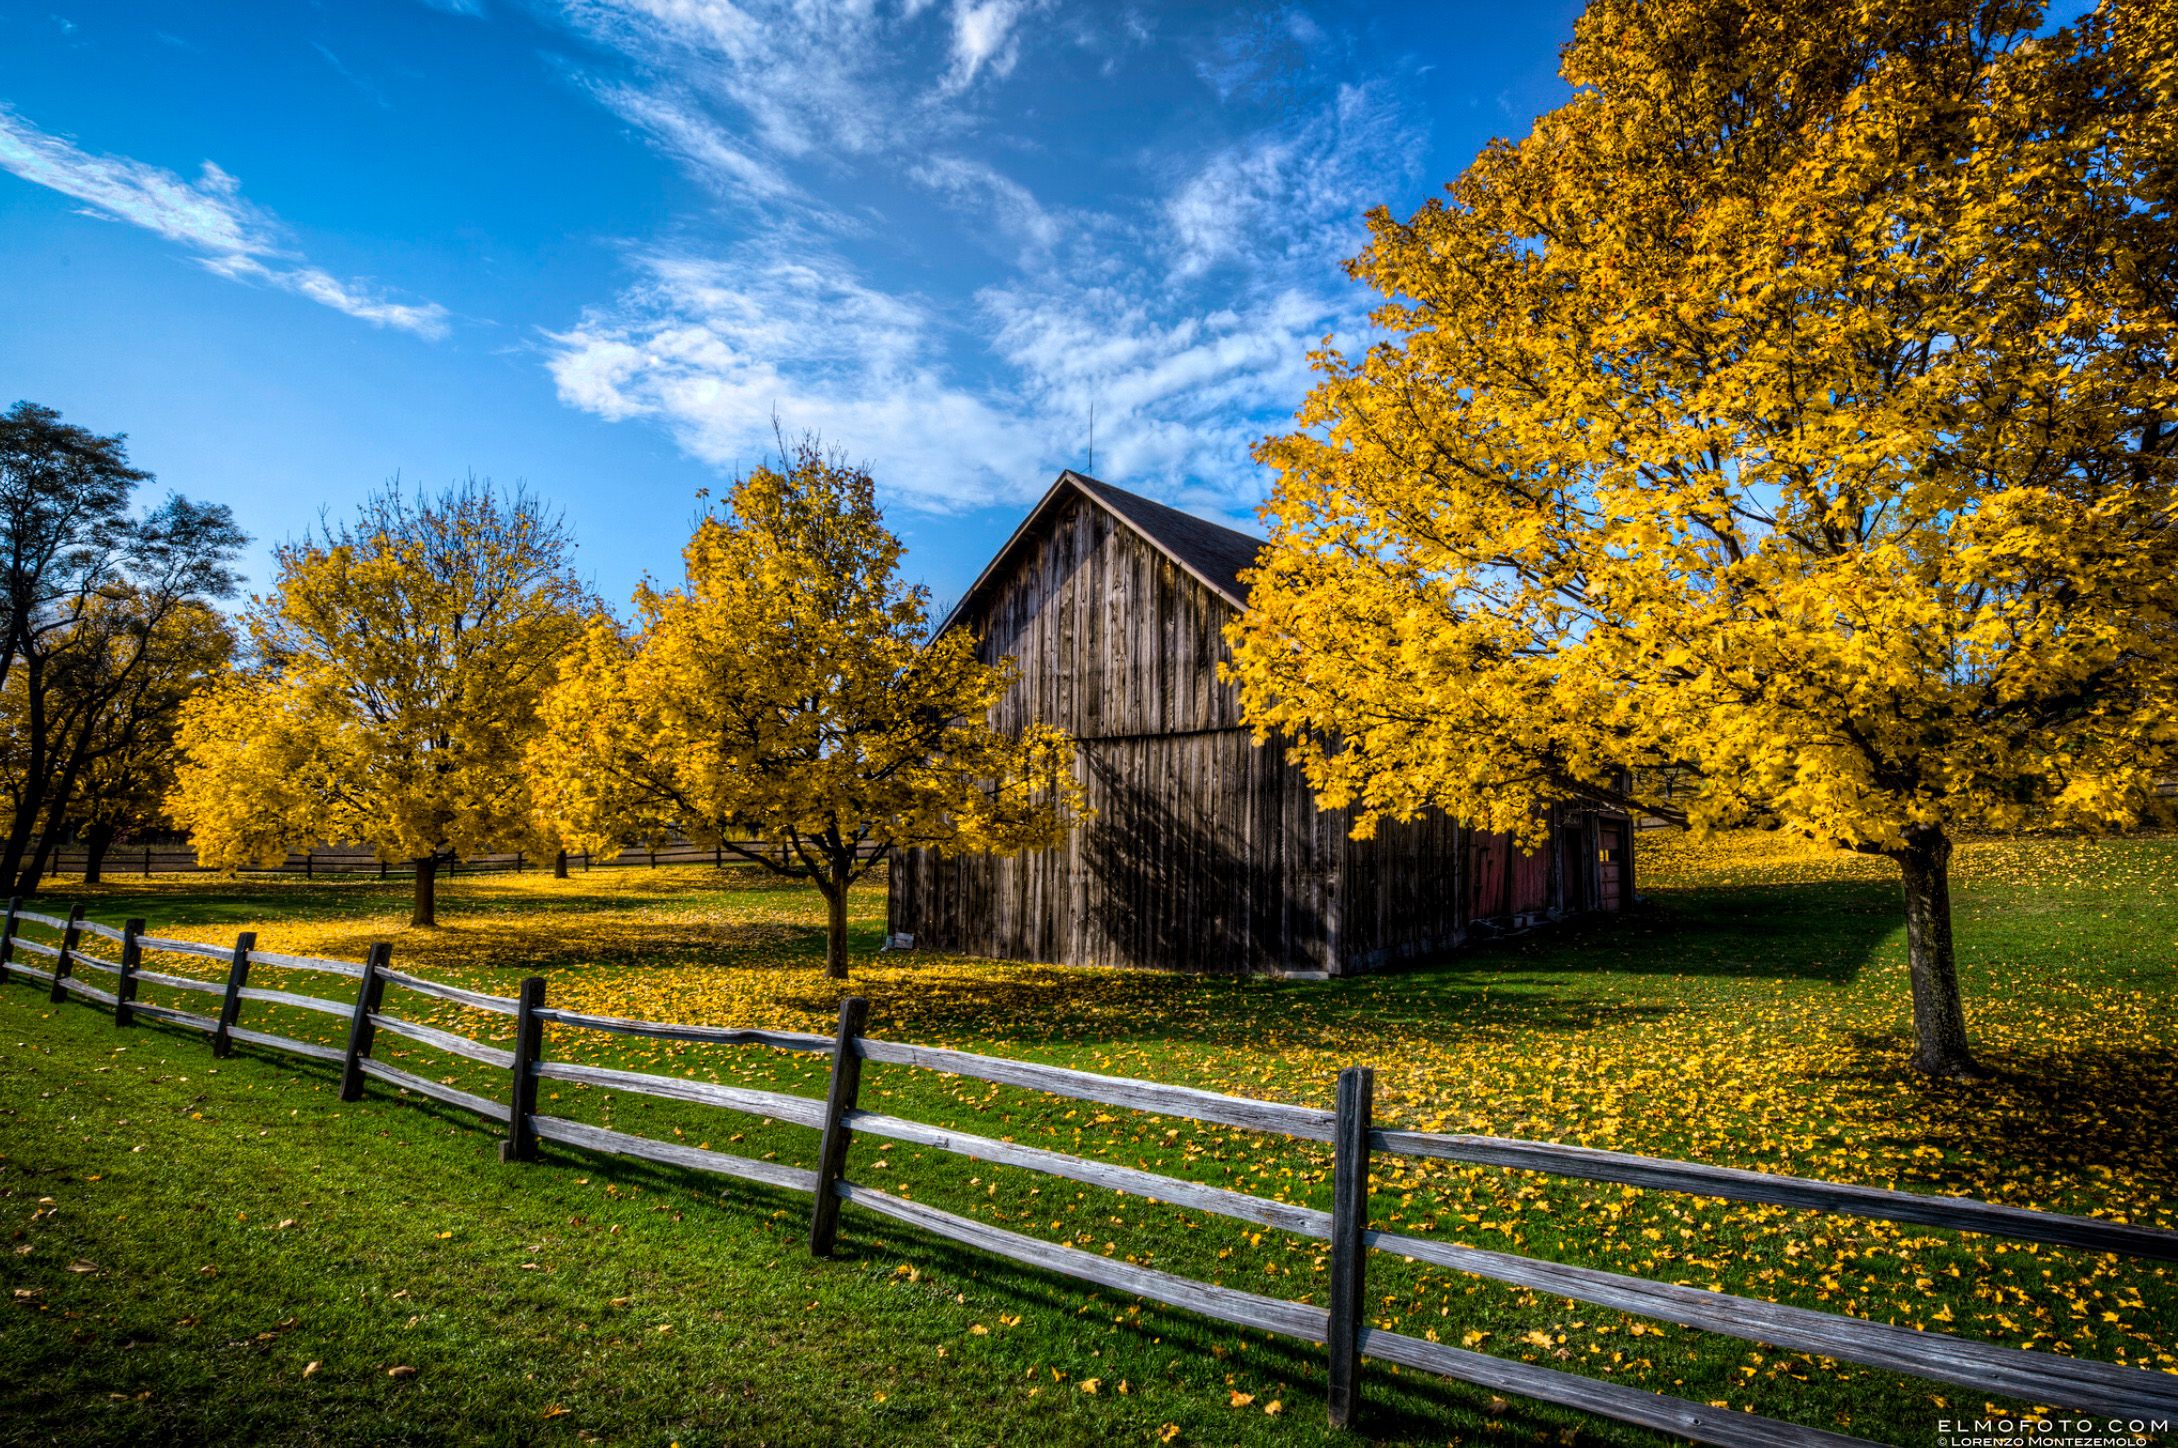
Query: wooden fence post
<point x="124" y="990"/>
<point x="230" y="1005"/>
<point x="839" y="1099"/>
<point x="521" y="1142"/>
<point x="7" y="937"/>
<point x="1349" y="1254"/>
<point x="66" y="965"/>
<point x="147" y="862"/>
<point x="361" y="1030"/>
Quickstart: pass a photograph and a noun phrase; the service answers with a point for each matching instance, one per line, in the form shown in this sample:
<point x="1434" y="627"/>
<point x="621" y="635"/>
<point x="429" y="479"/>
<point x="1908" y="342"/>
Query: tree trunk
<point x="559" y="865"/>
<point x="1939" y="1018"/>
<point x="96" y="841"/>
<point x="835" y="930"/>
<point x="427" y="892"/>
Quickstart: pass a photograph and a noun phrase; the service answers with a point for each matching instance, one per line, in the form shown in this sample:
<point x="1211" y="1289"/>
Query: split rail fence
<point x="2144" y="1398"/>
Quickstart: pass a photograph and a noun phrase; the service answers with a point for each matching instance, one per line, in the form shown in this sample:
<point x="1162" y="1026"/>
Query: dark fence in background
<point x="2003" y="1373"/>
<point x="181" y="859"/>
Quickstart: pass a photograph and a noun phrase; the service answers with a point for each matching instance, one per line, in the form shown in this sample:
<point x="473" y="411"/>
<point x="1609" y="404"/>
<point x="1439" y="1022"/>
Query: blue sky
<point x="598" y="245"/>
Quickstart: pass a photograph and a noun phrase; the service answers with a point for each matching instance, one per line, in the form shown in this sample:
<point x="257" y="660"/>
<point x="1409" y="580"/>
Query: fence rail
<point x="2028" y="1377"/>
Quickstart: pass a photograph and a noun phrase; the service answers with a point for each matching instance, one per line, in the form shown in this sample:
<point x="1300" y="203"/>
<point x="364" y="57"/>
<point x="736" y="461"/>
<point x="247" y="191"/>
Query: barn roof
<point x="1211" y="552"/>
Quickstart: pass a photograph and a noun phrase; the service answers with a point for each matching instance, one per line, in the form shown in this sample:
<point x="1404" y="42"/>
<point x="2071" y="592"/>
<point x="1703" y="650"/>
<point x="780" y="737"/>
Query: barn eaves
<point x="1212" y="554"/>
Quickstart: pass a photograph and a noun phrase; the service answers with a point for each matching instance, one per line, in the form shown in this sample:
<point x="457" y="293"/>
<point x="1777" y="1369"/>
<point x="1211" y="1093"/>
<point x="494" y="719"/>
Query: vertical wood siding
<point x="1205" y="853"/>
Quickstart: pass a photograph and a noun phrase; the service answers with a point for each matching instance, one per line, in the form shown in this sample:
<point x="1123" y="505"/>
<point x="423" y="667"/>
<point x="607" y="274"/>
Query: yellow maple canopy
<point x="786" y="697"/>
<point x="400" y="660"/>
<point x="1781" y="432"/>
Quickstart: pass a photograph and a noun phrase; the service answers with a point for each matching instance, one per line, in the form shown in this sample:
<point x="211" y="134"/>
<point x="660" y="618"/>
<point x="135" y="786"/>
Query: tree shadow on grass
<point x="2062" y="1112"/>
<point x="1817" y="931"/>
<point x="1595" y="974"/>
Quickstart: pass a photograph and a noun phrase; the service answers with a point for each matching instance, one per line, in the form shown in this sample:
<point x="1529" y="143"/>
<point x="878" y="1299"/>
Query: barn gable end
<point x="1205" y="852"/>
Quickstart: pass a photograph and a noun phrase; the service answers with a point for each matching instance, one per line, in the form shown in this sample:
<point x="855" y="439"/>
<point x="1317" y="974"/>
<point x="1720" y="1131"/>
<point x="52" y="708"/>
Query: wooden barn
<point x="1206" y="852"/>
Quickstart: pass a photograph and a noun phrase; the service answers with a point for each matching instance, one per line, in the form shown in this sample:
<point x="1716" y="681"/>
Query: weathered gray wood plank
<point x="436" y="1090"/>
<point x="1285" y="1216"/>
<point x="80" y="956"/>
<point x="796" y="1110"/>
<point x="445" y="1041"/>
<point x="1960" y="1213"/>
<point x="304" y="962"/>
<point x="179" y="982"/>
<point x="267" y="996"/>
<point x="620" y="1143"/>
<point x="502" y="1005"/>
<point x="1266" y="1314"/>
<point x="1717" y="1426"/>
<point x="1307" y="1122"/>
<point x="175" y="1017"/>
<point x="88" y="991"/>
<point x="285" y="1043"/>
<point x="670" y="1031"/>
<point x="2003" y="1372"/>
<point x="182" y="947"/>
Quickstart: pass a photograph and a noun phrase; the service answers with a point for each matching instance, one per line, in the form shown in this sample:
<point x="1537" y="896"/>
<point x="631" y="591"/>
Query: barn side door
<point x="1575" y="867"/>
<point x="1614" y="868"/>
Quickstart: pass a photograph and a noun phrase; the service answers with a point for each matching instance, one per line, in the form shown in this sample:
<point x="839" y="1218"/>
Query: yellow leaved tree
<point x="787" y="695"/>
<point x="1783" y="432"/>
<point x="399" y="662"/>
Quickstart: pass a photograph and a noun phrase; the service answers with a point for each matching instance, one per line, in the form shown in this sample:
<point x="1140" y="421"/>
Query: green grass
<point x="1753" y="1015"/>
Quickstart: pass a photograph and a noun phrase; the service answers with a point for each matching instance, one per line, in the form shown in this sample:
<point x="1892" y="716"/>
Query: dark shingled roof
<point x="1213" y="553"/>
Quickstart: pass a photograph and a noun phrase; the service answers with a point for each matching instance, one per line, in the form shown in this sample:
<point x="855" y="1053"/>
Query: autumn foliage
<point x="399" y="664"/>
<point x="787" y="705"/>
<point x="1790" y="419"/>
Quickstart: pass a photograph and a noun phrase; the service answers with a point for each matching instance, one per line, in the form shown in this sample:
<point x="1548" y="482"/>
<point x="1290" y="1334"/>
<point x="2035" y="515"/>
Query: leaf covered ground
<point x="1753" y="1014"/>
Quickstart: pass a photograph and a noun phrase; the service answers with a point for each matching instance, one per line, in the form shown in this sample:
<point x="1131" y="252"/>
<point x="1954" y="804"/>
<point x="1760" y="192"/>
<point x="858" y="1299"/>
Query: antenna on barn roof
<point x="1092" y="467"/>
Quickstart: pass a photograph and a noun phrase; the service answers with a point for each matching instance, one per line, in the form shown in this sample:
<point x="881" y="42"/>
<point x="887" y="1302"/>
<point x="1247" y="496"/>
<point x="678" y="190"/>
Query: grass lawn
<point x="223" y="1252"/>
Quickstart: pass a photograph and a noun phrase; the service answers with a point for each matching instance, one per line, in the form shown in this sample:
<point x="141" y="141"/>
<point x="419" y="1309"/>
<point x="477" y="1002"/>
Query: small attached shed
<point x="1205" y="852"/>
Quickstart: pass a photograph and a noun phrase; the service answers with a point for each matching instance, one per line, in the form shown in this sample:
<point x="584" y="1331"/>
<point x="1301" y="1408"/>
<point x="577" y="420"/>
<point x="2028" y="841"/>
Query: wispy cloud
<point x="1183" y="312"/>
<point x="978" y="187"/>
<point x="984" y="40"/>
<point x="1292" y="193"/>
<point x="679" y="125"/>
<point x="804" y="79"/>
<point x="715" y="349"/>
<point x="207" y="216"/>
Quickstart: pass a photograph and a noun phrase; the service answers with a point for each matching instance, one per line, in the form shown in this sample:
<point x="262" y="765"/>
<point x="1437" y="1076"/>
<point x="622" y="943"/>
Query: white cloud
<point x="810" y="77"/>
<point x="984" y="39"/>
<point x="716" y="349"/>
<point x="207" y="216"/>
<point x="976" y="186"/>
<point x="1295" y="194"/>
<point x="1184" y="314"/>
<point x="683" y="129"/>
